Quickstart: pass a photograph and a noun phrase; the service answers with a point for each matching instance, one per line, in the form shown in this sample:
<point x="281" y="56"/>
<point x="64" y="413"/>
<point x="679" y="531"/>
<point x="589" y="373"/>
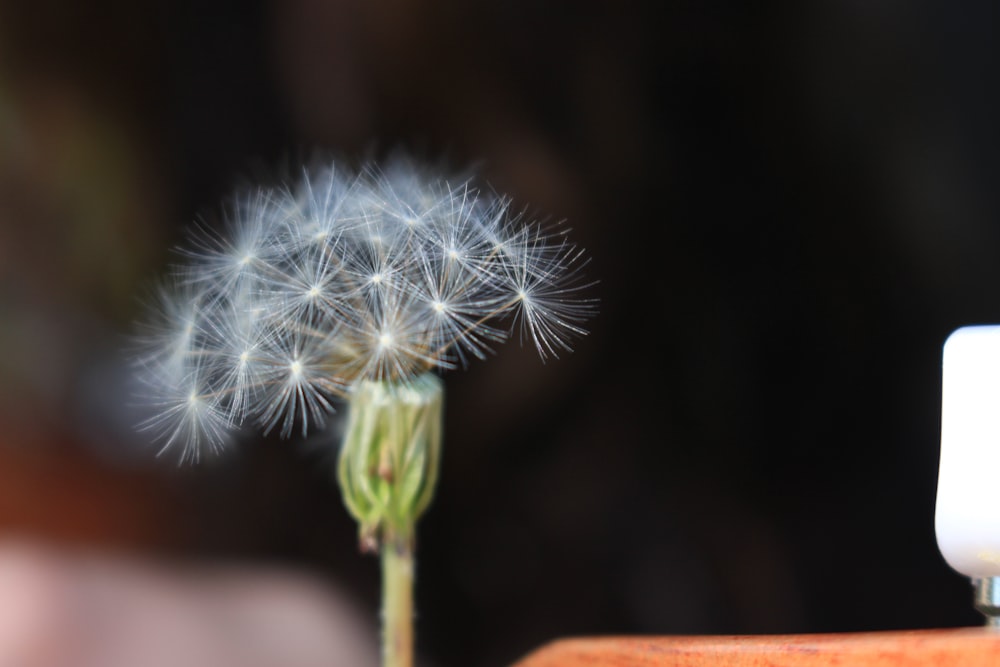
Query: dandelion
<point x="355" y="287"/>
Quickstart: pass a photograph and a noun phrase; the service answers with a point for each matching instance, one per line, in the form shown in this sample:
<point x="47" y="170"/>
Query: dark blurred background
<point x="788" y="206"/>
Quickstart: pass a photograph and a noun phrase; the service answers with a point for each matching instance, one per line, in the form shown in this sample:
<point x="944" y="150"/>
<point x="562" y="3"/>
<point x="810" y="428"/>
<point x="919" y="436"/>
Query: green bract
<point x="390" y="456"/>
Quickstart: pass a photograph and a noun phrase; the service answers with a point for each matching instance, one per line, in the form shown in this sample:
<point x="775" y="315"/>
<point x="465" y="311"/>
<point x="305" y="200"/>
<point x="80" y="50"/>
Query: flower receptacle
<point x="390" y="456"/>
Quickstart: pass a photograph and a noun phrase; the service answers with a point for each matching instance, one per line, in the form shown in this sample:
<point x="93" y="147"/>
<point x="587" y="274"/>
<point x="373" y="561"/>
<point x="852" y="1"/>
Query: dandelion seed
<point x="188" y="415"/>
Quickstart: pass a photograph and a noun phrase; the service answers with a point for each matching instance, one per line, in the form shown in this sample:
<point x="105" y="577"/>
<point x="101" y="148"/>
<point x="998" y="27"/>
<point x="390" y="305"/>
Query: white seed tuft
<point x="343" y="277"/>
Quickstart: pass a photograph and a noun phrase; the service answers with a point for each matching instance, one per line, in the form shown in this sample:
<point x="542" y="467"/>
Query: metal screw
<point x="988" y="599"/>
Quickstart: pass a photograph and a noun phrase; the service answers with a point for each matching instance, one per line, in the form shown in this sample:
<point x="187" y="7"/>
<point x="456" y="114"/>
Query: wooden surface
<point x="965" y="647"/>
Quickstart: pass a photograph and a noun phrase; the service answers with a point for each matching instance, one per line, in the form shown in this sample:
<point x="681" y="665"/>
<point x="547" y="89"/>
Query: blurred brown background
<point x="788" y="205"/>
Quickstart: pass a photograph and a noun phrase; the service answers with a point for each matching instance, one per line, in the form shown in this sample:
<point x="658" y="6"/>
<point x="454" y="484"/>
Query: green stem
<point x="397" y="603"/>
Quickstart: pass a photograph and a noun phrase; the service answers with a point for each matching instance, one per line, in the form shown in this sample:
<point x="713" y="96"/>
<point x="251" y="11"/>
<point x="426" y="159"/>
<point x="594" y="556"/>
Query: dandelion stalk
<point x="397" y="605"/>
<point x="357" y="287"/>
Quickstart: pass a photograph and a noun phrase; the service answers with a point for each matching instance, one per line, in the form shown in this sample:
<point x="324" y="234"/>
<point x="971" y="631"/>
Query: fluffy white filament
<point x="379" y="274"/>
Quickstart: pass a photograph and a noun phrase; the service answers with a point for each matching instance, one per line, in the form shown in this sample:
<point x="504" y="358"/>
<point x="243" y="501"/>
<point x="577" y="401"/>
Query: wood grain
<point x="964" y="647"/>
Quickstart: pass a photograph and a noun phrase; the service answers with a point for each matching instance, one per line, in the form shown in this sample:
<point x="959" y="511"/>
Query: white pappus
<point x="377" y="274"/>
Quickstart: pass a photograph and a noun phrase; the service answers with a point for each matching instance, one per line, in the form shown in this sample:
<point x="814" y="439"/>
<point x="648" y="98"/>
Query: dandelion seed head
<point x="376" y="274"/>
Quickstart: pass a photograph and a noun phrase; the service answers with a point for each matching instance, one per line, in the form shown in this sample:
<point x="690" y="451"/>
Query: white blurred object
<point x="967" y="519"/>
